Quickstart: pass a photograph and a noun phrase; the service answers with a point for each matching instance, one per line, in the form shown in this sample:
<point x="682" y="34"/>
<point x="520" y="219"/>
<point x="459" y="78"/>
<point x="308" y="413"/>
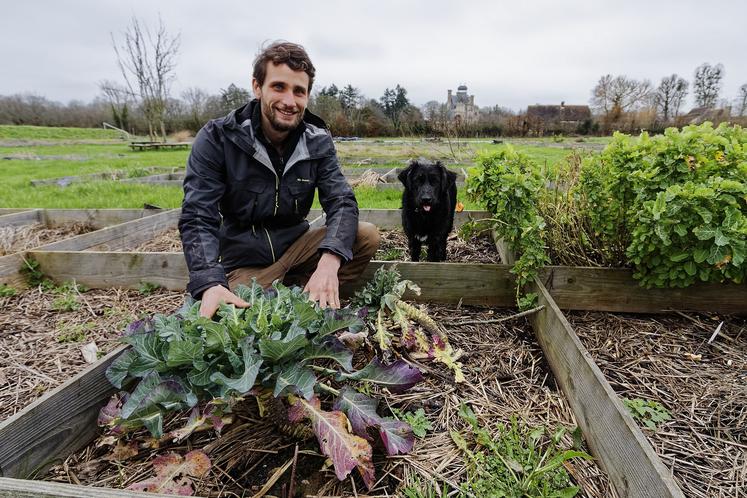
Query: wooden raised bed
<point x="64" y="419"/>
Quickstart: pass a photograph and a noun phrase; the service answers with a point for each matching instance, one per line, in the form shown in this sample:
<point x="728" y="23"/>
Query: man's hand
<point x="323" y="286"/>
<point x="214" y="296"/>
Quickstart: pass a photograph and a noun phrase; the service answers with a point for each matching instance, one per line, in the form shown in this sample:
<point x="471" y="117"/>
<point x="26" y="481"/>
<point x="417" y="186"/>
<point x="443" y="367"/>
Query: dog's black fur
<point x="428" y="204"/>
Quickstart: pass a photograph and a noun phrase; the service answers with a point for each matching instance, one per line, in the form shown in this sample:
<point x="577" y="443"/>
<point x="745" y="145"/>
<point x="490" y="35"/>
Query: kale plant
<point x="282" y="345"/>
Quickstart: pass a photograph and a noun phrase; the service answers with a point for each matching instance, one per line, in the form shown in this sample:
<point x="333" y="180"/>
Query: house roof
<point x="559" y="112"/>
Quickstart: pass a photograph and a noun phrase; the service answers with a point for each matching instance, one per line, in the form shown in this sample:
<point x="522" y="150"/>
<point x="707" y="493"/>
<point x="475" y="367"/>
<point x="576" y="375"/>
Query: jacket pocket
<point x="301" y="196"/>
<point x="244" y="201"/>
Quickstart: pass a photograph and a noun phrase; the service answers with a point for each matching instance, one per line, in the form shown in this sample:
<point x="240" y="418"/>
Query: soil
<point x="40" y="344"/>
<point x="667" y="359"/>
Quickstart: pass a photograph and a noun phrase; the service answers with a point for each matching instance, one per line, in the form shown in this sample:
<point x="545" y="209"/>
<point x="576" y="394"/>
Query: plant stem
<point x="329" y="389"/>
<point x="323" y="369"/>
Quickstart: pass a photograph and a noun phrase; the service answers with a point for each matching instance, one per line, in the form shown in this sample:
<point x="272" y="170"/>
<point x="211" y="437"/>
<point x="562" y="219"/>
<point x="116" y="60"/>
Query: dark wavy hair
<point x="283" y="52"/>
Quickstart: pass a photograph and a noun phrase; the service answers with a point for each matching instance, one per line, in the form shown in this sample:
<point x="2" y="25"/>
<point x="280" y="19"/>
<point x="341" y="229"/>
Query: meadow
<point x="34" y="153"/>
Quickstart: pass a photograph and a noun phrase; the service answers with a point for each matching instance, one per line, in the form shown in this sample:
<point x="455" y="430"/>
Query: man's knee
<point x="368" y="237"/>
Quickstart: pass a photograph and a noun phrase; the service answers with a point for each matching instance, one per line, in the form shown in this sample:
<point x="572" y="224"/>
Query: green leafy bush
<point x="676" y="203"/>
<point x="509" y="184"/>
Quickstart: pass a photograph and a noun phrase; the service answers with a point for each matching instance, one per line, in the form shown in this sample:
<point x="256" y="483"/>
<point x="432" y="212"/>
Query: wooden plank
<point x="614" y="289"/>
<point x="121" y="236"/>
<point x="440" y="282"/>
<point x="21" y="218"/>
<point x="10" y="267"/>
<point x="613" y="436"/>
<point x="508" y="256"/>
<point x="98" y="218"/>
<point x="20" y="488"/>
<point x="4" y="211"/>
<point x="57" y="424"/>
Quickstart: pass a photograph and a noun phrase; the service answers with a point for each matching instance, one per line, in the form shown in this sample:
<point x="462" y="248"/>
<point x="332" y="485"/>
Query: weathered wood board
<point x="613" y="436"/>
<point x="21" y="218"/>
<point x="614" y="289"/>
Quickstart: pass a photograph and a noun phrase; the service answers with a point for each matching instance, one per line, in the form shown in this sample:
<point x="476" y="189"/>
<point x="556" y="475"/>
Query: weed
<point x="73" y="332"/>
<point x="392" y="254"/>
<point x="414" y="488"/>
<point x="417" y="420"/>
<point x="65" y="302"/>
<point x="519" y="461"/>
<point x="649" y="413"/>
<point x="34" y="276"/>
<point x="7" y="291"/>
<point x="148" y="288"/>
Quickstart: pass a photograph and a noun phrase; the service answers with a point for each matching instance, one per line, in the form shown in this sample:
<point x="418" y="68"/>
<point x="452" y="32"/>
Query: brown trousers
<point x="298" y="263"/>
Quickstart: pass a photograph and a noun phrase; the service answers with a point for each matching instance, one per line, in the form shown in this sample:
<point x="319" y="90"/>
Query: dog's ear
<point x="404" y="175"/>
<point x="448" y="178"/>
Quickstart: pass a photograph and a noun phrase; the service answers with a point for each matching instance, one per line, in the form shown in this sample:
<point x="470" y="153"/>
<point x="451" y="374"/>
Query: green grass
<point x="54" y="133"/>
<point x="16" y="174"/>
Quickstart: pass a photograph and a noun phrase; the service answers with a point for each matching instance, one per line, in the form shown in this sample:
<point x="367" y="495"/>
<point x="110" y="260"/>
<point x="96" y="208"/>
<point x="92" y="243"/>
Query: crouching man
<point x="250" y="182"/>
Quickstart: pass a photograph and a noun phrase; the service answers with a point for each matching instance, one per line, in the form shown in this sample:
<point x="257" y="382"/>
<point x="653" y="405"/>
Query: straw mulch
<point x="506" y="375"/>
<point x="475" y="249"/>
<point x="704" y="386"/>
<point x="22" y="238"/>
<point x="40" y="347"/>
<point x="393" y="247"/>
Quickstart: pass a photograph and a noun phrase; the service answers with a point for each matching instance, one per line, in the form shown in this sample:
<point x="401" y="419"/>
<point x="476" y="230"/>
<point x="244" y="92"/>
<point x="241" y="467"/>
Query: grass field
<point x="59" y="152"/>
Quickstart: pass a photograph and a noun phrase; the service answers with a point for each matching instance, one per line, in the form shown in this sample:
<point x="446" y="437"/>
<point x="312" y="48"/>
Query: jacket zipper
<point x="272" y="251"/>
<point x="277" y="189"/>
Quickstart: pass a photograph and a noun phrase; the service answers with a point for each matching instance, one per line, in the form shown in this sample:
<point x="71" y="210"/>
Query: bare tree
<point x="615" y="95"/>
<point x="196" y="100"/>
<point x="118" y="98"/>
<point x="669" y="95"/>
<point x="707" y="84"/>
<point x="741" y="103"/>
<point x="147" y="62"/>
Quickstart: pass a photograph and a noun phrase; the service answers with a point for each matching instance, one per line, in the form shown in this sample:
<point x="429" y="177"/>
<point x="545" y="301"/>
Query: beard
<point x="276" y="122"/>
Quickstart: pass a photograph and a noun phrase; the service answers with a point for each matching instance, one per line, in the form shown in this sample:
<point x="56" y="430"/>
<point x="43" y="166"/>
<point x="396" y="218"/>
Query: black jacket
<point x="237" y="211"/>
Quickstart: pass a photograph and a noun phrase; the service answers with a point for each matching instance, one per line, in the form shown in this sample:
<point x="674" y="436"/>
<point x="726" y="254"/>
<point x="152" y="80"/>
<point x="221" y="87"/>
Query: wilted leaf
<point x="397" y="377"/>
<point x="396" y="435"/>
<point x="353" y="340"/>
<point x="347" y="451"/>
<point x="173" y="474"/>
<point x="122" y="451"/>
<point x="444" y="353"/>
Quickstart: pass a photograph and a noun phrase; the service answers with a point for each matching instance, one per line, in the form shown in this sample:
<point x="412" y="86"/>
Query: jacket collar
<point x="240" y="129"/>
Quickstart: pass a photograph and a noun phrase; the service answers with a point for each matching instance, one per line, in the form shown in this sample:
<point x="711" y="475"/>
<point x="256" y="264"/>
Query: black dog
<point x="428" y="204"/>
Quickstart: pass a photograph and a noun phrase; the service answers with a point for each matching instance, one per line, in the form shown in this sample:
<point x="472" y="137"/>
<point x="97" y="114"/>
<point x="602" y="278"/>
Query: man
<point x="250" y="183"/>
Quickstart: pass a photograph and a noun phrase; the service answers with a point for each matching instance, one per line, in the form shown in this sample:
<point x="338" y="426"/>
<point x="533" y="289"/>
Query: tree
<point x="331" y="91"/>
<point x="196" y="101"/>
<point x="613" y="96"/>
<point x="349" y="98"/>
<point x="233" y="97"/>
<point x="741" y="103"/>
<point x="147" y="62"/>
<point x="707" y="84"/>
<point x="394" y="103"/>
<point x="118" y="98"/>
<point x="669" y="95"/>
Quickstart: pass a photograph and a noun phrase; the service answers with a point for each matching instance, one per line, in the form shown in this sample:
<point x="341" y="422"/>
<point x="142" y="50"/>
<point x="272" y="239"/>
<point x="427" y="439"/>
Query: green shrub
<point x="509" y="183"/>
<point x="675" y="203"/>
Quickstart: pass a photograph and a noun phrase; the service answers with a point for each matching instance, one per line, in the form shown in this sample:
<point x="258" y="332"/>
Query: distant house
<point x="461" y="107"/>
<point x="563" y="118"/>
<point x="699" y="115"/>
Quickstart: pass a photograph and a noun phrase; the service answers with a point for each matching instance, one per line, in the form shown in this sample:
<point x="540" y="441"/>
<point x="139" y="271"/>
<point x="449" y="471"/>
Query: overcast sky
<point x="511" y="54"/>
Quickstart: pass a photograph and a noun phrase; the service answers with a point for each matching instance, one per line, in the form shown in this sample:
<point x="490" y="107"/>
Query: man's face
<point x="284" y="96"/>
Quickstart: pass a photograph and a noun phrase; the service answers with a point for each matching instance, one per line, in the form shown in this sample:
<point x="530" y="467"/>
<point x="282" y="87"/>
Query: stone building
<point x="461" y="107"/>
